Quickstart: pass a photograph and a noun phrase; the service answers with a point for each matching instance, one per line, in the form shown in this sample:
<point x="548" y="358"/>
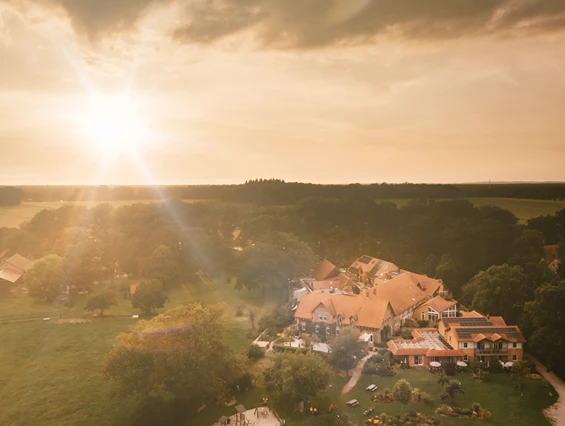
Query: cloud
<point x="312" y="24"/>
<point x="95" y="19"/>
<point x="309" y="24"/>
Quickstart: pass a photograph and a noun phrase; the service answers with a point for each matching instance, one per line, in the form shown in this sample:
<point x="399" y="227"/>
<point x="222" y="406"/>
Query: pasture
<point x="50" y="371"/>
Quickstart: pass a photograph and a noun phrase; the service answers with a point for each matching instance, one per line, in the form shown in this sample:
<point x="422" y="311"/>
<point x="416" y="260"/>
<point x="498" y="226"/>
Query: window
<point x="320" y="317"/>
<point x="303" y="326"/>
<point x="465" y="345"/>
<point x="339" y="320"/>
<point x="317" y="328"/>
<point x="328" y="330"/>
<point x="465" y="358"/>
<point x="325" y="317"/>
<point x="418" y="360"/>
<point x="352" y="321"/>
<point x="337" y="331"/>
<point x="514" y="357"/>
<point x="514" y="345"/>
<point x="481" y="345"/>
<point x="423" y="316"/>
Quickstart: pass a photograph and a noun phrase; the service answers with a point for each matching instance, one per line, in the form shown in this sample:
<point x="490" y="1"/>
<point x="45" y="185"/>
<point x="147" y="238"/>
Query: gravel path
<point x="356" y="374"/>
<point x="555" y="413"/>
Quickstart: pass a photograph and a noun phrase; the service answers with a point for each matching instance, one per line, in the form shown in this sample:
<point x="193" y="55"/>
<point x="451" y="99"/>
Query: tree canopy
<point x="296" y="377"/>
<point x="102" y="301"/>
<point x="179" y="354"/>
<point x="346" y="348"/>
<point x="148" y="296"/>
<point x="44" y="277"/>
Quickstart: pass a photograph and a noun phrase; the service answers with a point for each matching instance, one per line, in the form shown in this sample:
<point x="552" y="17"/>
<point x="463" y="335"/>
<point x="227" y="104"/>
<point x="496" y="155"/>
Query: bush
<point x="466" y="412"/>
<point x="377" y="359"/>
<point x="255" y="352"/>
<point x="406" y="334"/>
<point x="369" y="368"/>
<point x="496" y="367"/>
<point x="383" y="417"/>
<point x="534" y="376"/>
<point x="476" y="407"/>
<point x="409" y="322"/>
<point x="423" y="323"/>
<point x="426" y="398"/>
<point x="239" y="310"/>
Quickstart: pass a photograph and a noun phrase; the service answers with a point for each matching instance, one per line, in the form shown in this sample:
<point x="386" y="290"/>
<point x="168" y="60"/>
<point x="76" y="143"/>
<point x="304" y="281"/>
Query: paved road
<point x="356" y="374"/>
<point x="556" y="413"/>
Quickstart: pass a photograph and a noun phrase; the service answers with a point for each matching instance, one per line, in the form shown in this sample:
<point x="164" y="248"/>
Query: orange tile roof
<point x="472" y="314"/>
<point x="402" y="292"/>
<point x="439" y="304"/>
<point x="325" y="270"/>
<point x="550" y="252"/>
<point x="444" y="352"/>
<point x="366" y="312"/>
<point x="341" y="282"/>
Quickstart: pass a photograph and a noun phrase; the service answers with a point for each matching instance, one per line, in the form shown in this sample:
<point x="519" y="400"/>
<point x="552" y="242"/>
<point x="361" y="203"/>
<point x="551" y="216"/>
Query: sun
<point x="112" y="124"/>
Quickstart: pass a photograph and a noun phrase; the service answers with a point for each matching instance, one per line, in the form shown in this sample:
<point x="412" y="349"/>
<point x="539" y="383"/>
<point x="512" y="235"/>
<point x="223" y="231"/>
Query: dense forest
<point x="278" y="192"/>
<point x="489" y="261"/>
<point x="10" y="196"/>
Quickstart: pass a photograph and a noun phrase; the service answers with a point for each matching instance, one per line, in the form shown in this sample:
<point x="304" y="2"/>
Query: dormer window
<point x="352" y="321"/>
<point x="339" y="319"/>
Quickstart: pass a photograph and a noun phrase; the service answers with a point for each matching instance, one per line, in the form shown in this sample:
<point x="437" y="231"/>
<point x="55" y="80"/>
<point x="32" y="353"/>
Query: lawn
<point x="524" y="209"/>
<point x="50" y="370"/>
<point x="497" y="396"/>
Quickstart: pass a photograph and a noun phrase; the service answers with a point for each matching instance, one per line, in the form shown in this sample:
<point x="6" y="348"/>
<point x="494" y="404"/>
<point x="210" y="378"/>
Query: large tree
<point x="296" y="377"/>
<point x="179" y="354"/>
<point x="346" y="348"/>
<point x="163" y="266"/>
<point x="149" y="295"/>
<point x="273" y="263"/>
<point x="102" y="301"/>
<point x="547" y="316"/>
<point x="44" y="277"/>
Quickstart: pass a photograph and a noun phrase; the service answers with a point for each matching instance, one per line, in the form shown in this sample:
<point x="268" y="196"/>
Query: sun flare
<point x="113" y="124"/>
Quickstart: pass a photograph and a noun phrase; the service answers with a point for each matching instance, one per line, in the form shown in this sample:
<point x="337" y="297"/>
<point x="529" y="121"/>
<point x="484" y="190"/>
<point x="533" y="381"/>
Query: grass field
<point x="523" y="209"/>
<point x="50" y="371"/>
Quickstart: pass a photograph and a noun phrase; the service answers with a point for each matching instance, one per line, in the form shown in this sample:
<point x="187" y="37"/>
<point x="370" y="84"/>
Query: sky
<point x="325" y="91"/>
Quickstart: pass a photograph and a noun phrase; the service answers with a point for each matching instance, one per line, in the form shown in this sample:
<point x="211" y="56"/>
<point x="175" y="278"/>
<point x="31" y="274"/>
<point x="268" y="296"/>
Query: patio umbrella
<point x="509" y="364"/>
<point x="461" y="364"/>
<point x="435" y="364"/>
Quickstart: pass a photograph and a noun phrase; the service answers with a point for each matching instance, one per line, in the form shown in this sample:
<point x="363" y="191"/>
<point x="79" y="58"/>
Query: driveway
<point x="357" y="371"/>
<point x="555" y="413"/>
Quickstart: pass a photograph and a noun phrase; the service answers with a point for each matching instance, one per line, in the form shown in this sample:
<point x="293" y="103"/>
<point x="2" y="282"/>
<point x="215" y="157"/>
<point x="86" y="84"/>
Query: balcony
<point x="491" y="351"/>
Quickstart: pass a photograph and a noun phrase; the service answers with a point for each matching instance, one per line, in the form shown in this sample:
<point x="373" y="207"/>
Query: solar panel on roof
<point x="365" y="259"/>
<point x="465" y="333"/>
<point x="375" y="268"/>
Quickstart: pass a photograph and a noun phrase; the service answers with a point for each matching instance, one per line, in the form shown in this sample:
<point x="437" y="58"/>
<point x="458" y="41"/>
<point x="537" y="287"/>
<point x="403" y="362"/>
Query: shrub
<point x="406" y="334"/>
<point x="423" y="323"/>
<point x="496" y="367"/>
<point x="426" y="398"/>
<point x="476" y="407"/>
<point x="385" y="370"/>
<point x="377" y="359"/>
<point x="255" y="352"/>
<point x="383" y="417"/>
<point x="412" y="414"/>
<point x="387" y="391"/>
<point x="239" y="310"/>
<point x="369" y="368"/>
<point x="409" y="322"/>
<point x="467" y="412"/>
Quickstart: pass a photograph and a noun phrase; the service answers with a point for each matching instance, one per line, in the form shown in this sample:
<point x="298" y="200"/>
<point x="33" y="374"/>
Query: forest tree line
<point x="489" y="261"/>
<point x="279" y="192"/>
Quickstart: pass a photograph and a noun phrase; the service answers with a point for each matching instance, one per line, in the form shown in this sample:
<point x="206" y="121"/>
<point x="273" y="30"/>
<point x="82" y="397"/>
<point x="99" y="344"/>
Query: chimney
<point x="488" y="316"/>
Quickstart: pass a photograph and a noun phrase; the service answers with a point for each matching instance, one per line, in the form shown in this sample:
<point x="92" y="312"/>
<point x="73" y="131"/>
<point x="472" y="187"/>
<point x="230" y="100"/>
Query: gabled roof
<point x="439" y="304"/>
<point x="10" y="275"/>
<point x="474" y="327"/>
<point x="17" y="261"/>
<point x="426" y="341"/>
<point x="402" y="292"/>
<point x="340" y="282"/>
<point x="325" y="270"/>
<point x="365" y="312"/>
<point x="550" y="252"/>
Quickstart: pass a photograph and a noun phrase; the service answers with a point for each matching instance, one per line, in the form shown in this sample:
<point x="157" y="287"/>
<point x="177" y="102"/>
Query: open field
<point x="523" y="209"/>
<point x="14" y="216"/>
<point x="50" y="371"/>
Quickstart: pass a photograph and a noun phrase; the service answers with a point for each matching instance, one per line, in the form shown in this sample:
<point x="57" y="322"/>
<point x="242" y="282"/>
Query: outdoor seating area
<point x="353" y="403"/>
<point x="372" y="388"/>
<point x="258" y="416"/>
<point x="461" y="366"/>
<point x="435" y="366"/>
